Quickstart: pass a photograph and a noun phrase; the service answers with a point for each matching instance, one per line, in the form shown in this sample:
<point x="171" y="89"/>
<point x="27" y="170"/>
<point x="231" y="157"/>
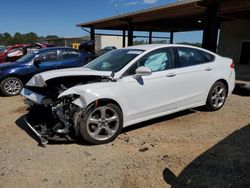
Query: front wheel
<point x="101" y="124"/>
<point x="11" y="86"/>
<point x="217" y="96"/>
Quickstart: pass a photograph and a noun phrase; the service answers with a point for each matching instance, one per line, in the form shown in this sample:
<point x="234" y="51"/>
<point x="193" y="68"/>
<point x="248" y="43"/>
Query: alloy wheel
<point x="218" y="96"/>
<point x="102" y="123"/>
<point x="12" y="87"/>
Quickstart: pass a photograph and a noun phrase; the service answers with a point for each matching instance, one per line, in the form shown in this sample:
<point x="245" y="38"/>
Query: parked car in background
<point x="106" y="49"/>
<point x="14" y="52"/>
<point x="125" y="87"/>
<point x="14" y="75"/>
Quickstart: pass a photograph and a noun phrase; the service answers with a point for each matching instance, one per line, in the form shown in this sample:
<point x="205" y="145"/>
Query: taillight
<point x="232" y="65"/>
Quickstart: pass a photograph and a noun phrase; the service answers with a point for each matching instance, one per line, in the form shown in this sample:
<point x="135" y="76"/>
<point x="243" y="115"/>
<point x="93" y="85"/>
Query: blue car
<point x="14" y="75"/>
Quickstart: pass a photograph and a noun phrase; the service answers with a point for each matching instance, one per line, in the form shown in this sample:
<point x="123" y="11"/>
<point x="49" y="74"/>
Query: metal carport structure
<point x="188" y="15"/>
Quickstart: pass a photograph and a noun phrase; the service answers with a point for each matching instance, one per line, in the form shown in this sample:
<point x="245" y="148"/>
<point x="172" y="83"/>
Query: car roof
<point x="155" y="46"/>
<point x="55" y="48"/>
<point x="146" y="46"/>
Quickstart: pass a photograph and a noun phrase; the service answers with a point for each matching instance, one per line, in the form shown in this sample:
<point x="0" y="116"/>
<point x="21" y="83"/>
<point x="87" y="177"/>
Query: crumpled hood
<point x="39" y="80"/>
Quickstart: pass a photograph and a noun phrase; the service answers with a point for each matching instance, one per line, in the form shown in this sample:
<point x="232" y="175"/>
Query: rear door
<point x="193" y="71"/>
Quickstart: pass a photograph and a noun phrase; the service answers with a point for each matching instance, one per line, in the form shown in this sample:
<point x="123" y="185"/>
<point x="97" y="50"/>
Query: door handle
<point x="208" y="69"/>
<point x="171" y="75"/>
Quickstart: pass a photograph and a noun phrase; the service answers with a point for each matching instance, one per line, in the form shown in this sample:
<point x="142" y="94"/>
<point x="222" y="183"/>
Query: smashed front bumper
<point x="48" y="131"/>
<point x="46" y="124"/>
<point x="42" y="141"/>
<point x="31" y="96"/>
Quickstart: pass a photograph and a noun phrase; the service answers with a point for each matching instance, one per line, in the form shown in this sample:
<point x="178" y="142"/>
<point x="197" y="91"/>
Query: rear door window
<point x="185" y="57"/>
<point x="69" y="54"/>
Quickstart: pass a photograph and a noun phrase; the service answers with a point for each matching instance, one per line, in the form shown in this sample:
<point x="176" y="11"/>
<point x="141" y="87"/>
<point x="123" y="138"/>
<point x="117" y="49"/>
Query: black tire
<point x="212" y="97"/>
<point x="85" y="127"/>
<point x="18" y="84"/>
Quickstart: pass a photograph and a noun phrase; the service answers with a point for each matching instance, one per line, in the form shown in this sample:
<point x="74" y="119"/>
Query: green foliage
<point x="51" y="36"/>
<point x="138" y="42"/>
<point x="159" y="42"/>
<point x="6" y="38"/>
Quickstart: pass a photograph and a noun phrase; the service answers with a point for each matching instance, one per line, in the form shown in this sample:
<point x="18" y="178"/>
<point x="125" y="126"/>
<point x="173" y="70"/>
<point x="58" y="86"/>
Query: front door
<point x="152" y="94"/>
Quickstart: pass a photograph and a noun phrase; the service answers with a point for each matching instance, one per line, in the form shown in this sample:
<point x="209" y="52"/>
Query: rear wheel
<point x="217" y="96"/>
<point x="101" y="124"/>
<point x="11" y="86"/>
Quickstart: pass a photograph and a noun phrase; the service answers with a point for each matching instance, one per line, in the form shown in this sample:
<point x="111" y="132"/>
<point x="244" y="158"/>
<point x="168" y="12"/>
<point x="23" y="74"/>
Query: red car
<point x="14" y="52"/>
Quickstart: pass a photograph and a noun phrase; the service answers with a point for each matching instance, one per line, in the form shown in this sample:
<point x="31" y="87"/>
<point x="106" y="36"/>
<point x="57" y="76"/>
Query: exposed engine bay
<point x="53" y="118"/>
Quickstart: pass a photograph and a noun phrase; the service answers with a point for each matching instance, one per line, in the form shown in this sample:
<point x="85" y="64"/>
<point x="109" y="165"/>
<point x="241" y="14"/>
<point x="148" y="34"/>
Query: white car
<point x="124" y="87"/>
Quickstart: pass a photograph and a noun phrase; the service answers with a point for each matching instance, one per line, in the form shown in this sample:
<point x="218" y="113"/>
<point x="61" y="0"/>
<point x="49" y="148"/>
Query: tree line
<point x="7" y="39"/>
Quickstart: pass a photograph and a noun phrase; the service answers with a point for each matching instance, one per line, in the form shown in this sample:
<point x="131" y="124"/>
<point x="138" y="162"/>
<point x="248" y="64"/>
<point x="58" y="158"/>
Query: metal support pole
<point x="92" y="33"/>
<point x="92" y="37"/>
<point x="150" y="37"/>
<point x="123" y="38"/>
<point x="211" y="25"/>
<point x="171" y="41"/>
<point x="130" y="34"/>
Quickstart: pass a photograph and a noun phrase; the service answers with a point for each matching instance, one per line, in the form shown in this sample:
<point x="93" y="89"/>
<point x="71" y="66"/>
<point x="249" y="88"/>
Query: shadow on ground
<point x="226" y="164"/>
<point x="242" y="89"/>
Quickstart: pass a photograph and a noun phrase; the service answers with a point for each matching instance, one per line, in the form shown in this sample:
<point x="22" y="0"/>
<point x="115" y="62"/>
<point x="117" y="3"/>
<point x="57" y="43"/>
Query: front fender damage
<point x="86" y="96"/>
<point x="59" y="121"/>
<point x="57" y="118"/>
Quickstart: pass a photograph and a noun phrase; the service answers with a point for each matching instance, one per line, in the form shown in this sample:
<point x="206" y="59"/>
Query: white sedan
<point x="124" y="87"/>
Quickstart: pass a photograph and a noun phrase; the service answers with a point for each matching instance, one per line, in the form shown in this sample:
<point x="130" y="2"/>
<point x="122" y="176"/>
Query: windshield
<point x="28" y="57"/>
<point x="114" y="61"/>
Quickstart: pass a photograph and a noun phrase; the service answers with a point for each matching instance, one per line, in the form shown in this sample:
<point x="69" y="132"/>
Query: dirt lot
<point x="188" y="149"/>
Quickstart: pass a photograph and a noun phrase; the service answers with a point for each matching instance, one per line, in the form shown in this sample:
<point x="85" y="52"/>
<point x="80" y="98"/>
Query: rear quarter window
<point x="209" y="57"/>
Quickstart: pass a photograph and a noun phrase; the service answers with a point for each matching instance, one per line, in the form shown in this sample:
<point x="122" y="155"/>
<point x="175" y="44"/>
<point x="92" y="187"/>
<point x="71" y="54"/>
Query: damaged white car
<point x="125" y="87"/>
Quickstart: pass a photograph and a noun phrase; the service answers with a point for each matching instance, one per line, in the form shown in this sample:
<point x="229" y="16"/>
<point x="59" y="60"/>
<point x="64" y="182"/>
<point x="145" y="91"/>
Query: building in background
<point x="234" y="39"/>
<point x="101" y="41"/>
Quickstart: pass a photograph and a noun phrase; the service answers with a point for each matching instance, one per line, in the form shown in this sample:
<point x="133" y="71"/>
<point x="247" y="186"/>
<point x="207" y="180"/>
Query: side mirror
<point x="143" y="71"/>
<point x="36" y="62"/>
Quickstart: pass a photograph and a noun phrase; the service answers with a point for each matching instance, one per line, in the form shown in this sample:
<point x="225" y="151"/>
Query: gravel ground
<point x="192" y="148"/>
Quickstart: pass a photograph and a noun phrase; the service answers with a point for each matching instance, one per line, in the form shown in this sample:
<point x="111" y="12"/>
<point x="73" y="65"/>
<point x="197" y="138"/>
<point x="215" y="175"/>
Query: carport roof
<point x="186" y="15"/>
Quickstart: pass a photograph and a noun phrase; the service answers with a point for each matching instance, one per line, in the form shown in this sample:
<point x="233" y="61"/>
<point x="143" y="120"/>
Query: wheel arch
<point x="84" y="129"/>
<point x="13" y="76"/>
<point x="225" y="83"/>
<point x="103" y="101"/>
